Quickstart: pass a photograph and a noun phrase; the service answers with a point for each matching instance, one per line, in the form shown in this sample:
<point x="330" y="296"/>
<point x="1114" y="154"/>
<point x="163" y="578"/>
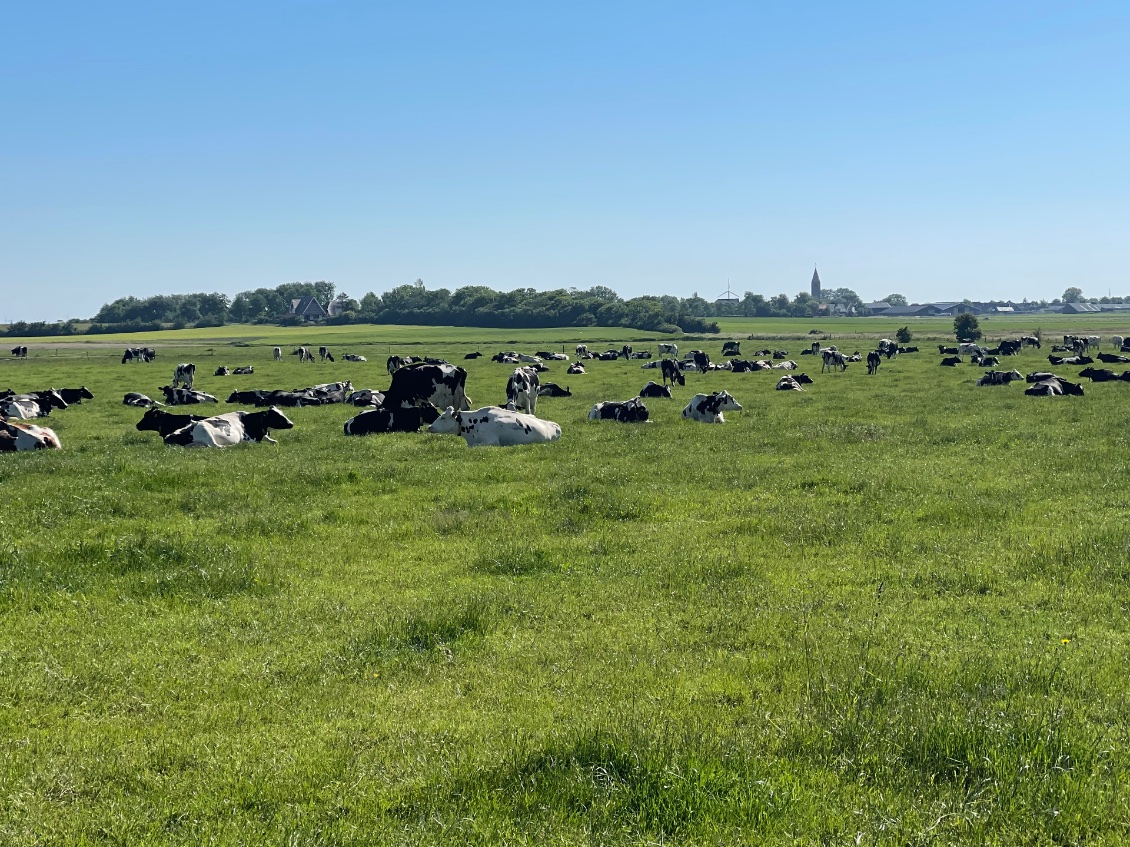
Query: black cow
<point x="672" y="373"/>
<point x="552" y="389"/>
<point x="75" y="395"/>
<point x="165" y="423"/>
<point x="907" y="350"/>
<point x="653" y="389"/>
<point x="626" y="351"/>
<point x="440" y="385"/>
<point x="804" y="379"/>
<point x="252" y="397"/>
<point x="474" y="355"/>
<point x="392" y="420"/>
<point x="952" y="361"/>
<point x="732" y="348"/>
<point x="1010" y="348"/>
<point x="1099" y="374"/>
<point x="1113" y="359"/>
<point x="324" y="354"/>
<point x="947" y="351"/>
<point x="873" y="360"/>
<point x="780" y="354"/>
<point x="701" y="360"/>
<point x="20" y="352"/>
<point x="624" y="411"/>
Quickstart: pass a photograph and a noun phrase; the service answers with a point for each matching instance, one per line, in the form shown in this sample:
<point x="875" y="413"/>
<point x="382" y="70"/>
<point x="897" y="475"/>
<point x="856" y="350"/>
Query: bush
<point x="966" y="327"/>
<point x="903" y="336"/>
<point x="670" y="329"/>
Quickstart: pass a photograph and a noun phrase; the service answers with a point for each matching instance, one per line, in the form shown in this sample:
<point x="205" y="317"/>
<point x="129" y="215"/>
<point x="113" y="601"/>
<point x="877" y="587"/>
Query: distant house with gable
<point x="307" y="308"/>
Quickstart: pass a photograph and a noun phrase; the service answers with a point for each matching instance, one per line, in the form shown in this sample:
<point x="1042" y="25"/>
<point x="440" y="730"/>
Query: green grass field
<point x="889" y="610"/>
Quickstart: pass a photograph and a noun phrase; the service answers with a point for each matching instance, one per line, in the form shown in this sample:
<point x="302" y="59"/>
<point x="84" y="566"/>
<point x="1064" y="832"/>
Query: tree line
<point x="414" y="303"/>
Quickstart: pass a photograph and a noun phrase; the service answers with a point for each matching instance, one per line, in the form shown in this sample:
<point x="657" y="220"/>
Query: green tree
<point x="1073" y="295"/>
<point x="895" y="300"/>
<point x="903" y="336"/>
<point x="966" y="327"/>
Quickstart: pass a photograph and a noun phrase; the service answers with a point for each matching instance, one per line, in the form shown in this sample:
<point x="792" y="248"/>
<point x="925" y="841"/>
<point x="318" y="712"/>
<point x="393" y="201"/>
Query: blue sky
<point x="939" y="150"/>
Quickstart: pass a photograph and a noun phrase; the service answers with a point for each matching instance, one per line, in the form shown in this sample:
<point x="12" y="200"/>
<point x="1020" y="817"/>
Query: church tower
<point x="815" y="284"/>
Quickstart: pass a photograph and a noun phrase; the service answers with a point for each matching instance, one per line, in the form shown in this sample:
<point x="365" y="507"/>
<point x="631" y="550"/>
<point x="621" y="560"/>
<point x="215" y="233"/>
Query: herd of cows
<point x="432" y="392"/>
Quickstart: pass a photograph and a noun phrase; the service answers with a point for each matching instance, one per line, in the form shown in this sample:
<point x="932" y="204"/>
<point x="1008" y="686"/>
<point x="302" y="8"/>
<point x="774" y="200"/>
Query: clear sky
<point x="965" y="149"/>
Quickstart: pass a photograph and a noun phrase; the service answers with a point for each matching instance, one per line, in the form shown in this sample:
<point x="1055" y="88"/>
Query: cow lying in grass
<point x="229" y="429"/>
<point x="492" y="426"/>
<point x="393" y="419"/>
<point x="624" y="411"/>
<point x="708" y="408"/>
<point x="21" y="437"/>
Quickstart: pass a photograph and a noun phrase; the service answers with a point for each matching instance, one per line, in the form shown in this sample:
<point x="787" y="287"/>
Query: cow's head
<point x="447" y="423"/>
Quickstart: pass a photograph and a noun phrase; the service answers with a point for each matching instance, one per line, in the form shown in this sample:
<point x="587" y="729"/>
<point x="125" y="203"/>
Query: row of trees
<point x="469" y="306"/>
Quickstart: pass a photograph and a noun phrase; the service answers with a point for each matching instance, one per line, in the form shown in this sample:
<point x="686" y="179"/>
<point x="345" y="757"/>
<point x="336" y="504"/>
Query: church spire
<point x="815" y="283"/>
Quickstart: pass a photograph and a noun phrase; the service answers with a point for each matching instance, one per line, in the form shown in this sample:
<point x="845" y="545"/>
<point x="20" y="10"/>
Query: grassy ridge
<point x="888" y="609"/>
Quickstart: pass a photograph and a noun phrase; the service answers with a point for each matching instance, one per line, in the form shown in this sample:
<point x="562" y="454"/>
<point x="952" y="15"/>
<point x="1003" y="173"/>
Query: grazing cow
<point x="575" y="368"/>
<point x="440" y="385"/>
<point x="732" y="348"/>
<point x="887" y="347"/>
<point x="278" y="354"/>
<point x="1030" y="341"/>
<point x="552" y="389"/>
<point x="244" y="371"/>
<point x="324" y="354"/>
<point x="582" y="349"/>
<point x="138" y="354"/>
<point x="392" y="420"/>
<point x="1117" y="340"/>
<point x="671" y="371"/>
<point x="474" y="355"/>
<point x="624" y="411"/>
<point x="304" y="355"/>
<point x="669" y="349"/>
<point x="832" y="359"/>
<point x="626" y="351"/>
<point x="495" y="427"/>
<point x="18" y="438"/>
<point x="184" y="396"/>
<point x="20" y="352"/>
<point x="951" y="362"/>
<point x="999" y="377"/>
<point x="708" y="408"/>
<point x="788" y="383"/>
<point x="654" y="389"/>
<point x="164" y="423"/>
<point x="1107" y="358"/>
<point x="1010" y="348"/>
<point x="230" y="428"/>
<point x="873" y="360"/>
<point x="353" y="357"/>
<point x="701" y="361"/>
<point x="139" y="400"/>
<point x="184" y="375"/>
<point x="522" y="390"/>
<point x="1099" y="374"/>
<point x="222" y="371"/>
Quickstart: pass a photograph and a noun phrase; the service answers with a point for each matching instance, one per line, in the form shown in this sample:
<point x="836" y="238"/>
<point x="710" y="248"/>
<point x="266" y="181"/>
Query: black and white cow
<point x="1053" y="387"/>
<point x="624" y="411"/>
<point x="164" y="423"/>
<point x="304" y="355"/>
<point x="184" y="396"/>
<point x="1070" y="360"/>
<point x="34" y="404"/>
<point x="440" y="385"/>
<point x="708" y="408"/>
<point x="789" y="383"/>
<point x="832" y="359"/>
<point x="278" y="354"/>
<point x="873" y="360"/>
<point x="654" y="389"/>
<point x="395" y="363"/>
<point x="324" y="354"/>
<point x="575" y="368"/>
<point x="247" y="371"/>
<point x="731" y="348"/>
<point x="75" y="395"/>
<point x="582" y="349"/>
<point x="552" y="389"/>
<point x="1030" y="341"/>
<point x="184" y="375"/>
<point x="139" y="400"/>
<point x="20" y="352"/>
<point x="672" y="373"/>
<point x="222" y="371"/>
<point x="20" y="437"/>
<point x="888" y="348"/>
<point x="353" y="357"/>
<point x="626" y="351"/>
<point x="522" y="390"/>
<point x="366" y="397"/>
<point x="392" y="420"/>
<point x="230" y="428"/>
<point x="701" y="360"/>
<point x="495" y="427"/>
<point x="667" y="348"/>
<point x="999" y="377"/>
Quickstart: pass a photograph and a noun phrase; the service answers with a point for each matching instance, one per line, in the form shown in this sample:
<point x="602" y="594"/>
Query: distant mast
<point x="815" y="283"/>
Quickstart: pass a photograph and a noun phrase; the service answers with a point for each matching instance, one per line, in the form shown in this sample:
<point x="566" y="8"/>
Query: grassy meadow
<point x="887" y="610"/>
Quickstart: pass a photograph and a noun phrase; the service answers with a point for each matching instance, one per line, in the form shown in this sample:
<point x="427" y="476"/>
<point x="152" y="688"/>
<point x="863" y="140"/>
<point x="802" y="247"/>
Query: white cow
<point x="1093" y="341"/>
<point x="495" y="427"/>
<point x="230" y="429"/>
<point x="278" y="354"/>
<point x="582" y="349"/>
<point x="17" y="438"/>
<point x="1117" y="341"/>
<point x="522" y="390"/>
<point x="184" y="375"/>
<point x="708" y="408"/>
<point x="969" y="348"/>
<point x="673" y="349"/>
